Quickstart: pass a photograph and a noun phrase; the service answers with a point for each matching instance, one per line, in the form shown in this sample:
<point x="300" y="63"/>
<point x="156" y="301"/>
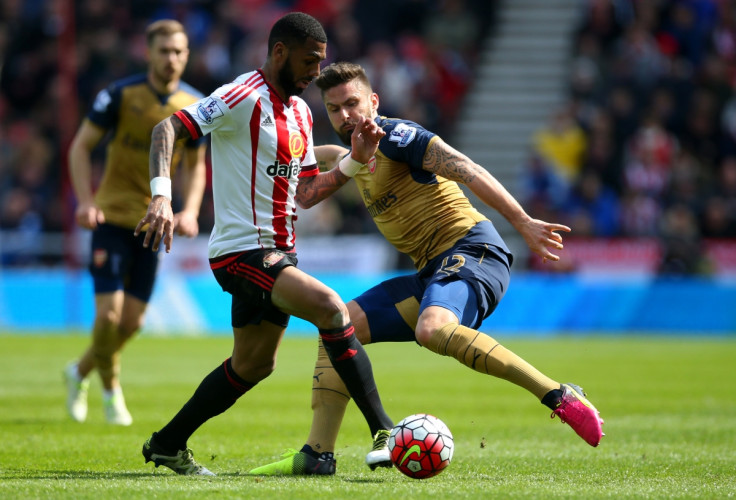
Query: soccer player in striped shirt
<point x="261" y="143"/>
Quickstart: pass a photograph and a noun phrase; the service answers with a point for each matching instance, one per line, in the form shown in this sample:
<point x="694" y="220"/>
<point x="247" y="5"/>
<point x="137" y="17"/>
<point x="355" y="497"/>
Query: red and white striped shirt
<point x="259" y="145"/>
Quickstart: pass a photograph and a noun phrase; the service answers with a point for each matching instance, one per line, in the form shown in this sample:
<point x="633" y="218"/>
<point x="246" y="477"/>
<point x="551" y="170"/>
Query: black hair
<point x="294" y="29"/>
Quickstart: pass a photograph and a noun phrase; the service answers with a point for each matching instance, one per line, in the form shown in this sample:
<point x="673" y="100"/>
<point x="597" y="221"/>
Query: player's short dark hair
<point x="165" y="27"/>
<point x="341" y="72"/>
<point x="294" y="29"/>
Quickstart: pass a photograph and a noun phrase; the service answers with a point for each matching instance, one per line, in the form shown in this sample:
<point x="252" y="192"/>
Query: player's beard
<point x="288" y="81"/>
<point x="345" y="136"/>
<point x="166" y="75"/>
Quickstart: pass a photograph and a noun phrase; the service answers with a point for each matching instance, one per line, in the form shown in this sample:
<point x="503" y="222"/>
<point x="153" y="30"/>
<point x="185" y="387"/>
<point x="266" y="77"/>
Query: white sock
<point x="107" y="395"/>
<point x="73" y="371"/>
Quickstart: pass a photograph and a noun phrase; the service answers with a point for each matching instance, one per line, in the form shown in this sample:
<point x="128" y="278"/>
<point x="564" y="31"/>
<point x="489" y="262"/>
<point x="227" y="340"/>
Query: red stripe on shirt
<point x="240" y="99"/>
<point x="305" y="126"/>
<point x="247" y="86"/>
<point x="255" y="129"/>
<point x="303" y="129"/>
<point x="281" y="184"/>
<point x="233" y="94"/>
<point x="248" y="82"/>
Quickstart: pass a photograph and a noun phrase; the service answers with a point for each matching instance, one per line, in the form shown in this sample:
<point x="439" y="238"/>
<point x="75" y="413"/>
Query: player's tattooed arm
<point x="160" y="217"/>
<point x="312" y="190"/>
<point x="449" y="163"/>
<point x="444" y="160"/>
<point x="328" y="155"/>
<point x="163" y="139"/>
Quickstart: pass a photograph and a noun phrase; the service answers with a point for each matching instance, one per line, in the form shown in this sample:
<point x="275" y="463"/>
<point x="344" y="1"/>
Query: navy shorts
<point x="249" y="277"/>
<point x="120" y="262"/>
<point x="469" y="279"/>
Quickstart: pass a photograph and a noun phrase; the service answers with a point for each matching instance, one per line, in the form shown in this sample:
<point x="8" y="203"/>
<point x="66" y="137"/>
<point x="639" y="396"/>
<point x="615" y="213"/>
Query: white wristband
<point x="161" y="186"/>
<point x="349" y="167"/>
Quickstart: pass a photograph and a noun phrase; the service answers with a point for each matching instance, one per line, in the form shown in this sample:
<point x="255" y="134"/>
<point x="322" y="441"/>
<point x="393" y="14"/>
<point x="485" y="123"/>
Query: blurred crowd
<point x="418" y="53"/>
<point x="645" y="147"/>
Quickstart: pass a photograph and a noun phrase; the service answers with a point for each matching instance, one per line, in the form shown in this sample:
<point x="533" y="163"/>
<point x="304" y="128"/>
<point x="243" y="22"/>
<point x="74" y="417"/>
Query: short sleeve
<point x="405" y="141"/>
<point x="106" y="106"/>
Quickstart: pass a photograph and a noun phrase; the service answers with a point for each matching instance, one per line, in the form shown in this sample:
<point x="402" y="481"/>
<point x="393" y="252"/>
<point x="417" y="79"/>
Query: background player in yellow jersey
<point x="411" y="190"/>
<point x="122" y="270"/>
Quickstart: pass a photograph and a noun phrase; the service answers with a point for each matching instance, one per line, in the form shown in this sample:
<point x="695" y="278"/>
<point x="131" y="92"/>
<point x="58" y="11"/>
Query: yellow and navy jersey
<point x="129" y="109"/>
<point x="420" y="213"/>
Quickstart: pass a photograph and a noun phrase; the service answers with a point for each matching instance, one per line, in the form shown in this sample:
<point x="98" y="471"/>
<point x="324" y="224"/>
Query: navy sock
<point x="354" y="367"/>
<point x="325" y="455"/>
<point x="216" y="393"/>
<point x="551" y="399"/>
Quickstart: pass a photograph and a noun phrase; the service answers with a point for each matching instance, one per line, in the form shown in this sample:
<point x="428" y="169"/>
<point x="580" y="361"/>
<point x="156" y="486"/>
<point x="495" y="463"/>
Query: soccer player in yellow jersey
<point x="411" y="190"/>
<point x="123" y="271"/>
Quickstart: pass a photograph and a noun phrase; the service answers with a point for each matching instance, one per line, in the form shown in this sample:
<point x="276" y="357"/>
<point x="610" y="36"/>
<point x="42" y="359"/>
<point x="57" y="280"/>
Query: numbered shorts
<point x="120" y="262"/>
<point x="249" y="278"/>
<point x="469" y="279"/>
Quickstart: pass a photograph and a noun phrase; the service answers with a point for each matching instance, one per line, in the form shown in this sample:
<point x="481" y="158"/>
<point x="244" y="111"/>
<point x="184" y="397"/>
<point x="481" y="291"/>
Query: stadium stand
<point x="635" y="148"/>
<point x="56" y="56"/>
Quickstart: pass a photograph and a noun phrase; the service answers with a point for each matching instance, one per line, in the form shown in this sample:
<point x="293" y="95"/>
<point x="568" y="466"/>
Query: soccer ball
<point x="421" y="446"/>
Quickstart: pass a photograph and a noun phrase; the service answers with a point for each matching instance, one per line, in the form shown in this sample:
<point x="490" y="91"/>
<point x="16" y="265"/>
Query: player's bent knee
<point x="331" y="313"/>
<point x="130" y="324"/>
<point x="436" y="339"/>
<point x="253" y="372"/>
<point x="108" y="319"/>
<point x="426" y="332"/>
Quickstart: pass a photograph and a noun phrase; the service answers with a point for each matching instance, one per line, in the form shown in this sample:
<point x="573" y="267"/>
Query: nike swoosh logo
<point x="414" y="449"/>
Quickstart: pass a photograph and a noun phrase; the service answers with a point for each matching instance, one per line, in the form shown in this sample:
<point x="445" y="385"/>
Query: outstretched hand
<point x="364" y="141"/>
<point x="540" y="236"/>
<point x="160" y="220"/>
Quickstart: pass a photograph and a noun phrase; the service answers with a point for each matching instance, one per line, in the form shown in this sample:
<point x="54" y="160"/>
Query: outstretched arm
<point x="366" y="136"/>
<point x="540" y="236"/>
<point x="160" y="218"/>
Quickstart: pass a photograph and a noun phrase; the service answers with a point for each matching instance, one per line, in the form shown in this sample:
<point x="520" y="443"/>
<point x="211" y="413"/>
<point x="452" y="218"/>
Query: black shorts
<point x="249" y="277"/>
<point x="120" y="262"/>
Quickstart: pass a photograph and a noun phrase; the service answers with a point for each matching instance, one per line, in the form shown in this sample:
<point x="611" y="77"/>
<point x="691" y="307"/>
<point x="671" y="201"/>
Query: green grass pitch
<point x="669" y="405"/>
